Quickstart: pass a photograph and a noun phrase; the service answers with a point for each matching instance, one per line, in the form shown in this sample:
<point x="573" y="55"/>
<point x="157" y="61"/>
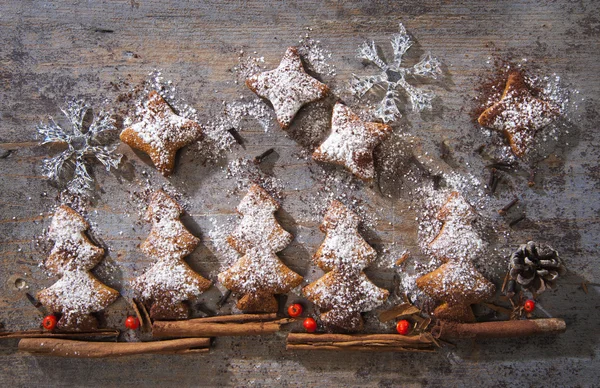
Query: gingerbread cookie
<point x="344" y="292"/>
<point x="351" y="142"/>
<point x="518" y="114"/>
<point x="457" y="238"/>
<point x="457" y="285"/>
<point x="259" y="274"/>
<point x="161" y="133"/>
<point x="78" y="293"/>
<point x="288" y="87"/>
<point x="170" y="282"/>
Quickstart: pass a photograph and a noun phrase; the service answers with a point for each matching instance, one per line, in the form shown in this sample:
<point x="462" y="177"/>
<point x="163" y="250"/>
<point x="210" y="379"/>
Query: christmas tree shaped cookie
<point x="344" y="291"/>
<point x="170" y="282"/>
<point x="259" y="274"/>
<point x="457" y="238"/>
<point x="161" y="133"/>
<point x="457" y="285"/>
<point x="78" y="293"/>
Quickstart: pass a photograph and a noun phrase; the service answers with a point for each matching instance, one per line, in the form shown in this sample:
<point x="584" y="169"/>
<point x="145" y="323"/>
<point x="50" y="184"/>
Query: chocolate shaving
<point x="506" y="208"/>
<point x="236" y="136"/>
<point x="258" y="159"/>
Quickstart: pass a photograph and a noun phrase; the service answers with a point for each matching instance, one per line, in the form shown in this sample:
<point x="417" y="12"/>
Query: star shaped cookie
<point x="351" y="142"/>
<point x="518" y="114"/>
<point x="288" y="87"/>
<point x="161" y="133"/>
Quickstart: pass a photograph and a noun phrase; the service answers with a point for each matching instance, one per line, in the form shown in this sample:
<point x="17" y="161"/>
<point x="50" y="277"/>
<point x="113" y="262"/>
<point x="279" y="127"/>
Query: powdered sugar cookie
<point x="259" y="274"/>
<point x="518" y="114"/>
<point x="161" y="133"/>
<point x="457" y="285"/>
<point x="351" y="142"/>
<point x="345" y="291"/>
<point x="170" y="282"/>
<point x="78" y="293"/>
<point x="288" y="87"/>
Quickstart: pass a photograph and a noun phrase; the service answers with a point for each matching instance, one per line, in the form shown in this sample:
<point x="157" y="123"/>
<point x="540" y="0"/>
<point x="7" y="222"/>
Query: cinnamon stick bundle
<point x="500" y="329"/>
<point x="226" y="325"/>
<point x="361" y="342"/>
<point x="86" y="349"/>
<point x="58" y="334"/>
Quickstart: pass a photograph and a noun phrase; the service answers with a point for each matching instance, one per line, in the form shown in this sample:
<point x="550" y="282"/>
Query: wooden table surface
<point x="52" y="50"/>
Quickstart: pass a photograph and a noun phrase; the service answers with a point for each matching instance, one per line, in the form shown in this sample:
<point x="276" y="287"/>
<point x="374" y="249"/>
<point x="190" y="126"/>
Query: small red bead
<point x="403" y="326"/>
<point x="295" y="310"/>
<point x="132" y="323"/>
<point x="49" y="322"/>
<point x="529" y="305"/>
<point x="310" y="325"/>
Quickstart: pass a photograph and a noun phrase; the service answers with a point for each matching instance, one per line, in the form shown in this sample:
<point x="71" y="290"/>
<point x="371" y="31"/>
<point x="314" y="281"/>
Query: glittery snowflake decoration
<point x="394" y="76"/>
<point x="84" y="141"/>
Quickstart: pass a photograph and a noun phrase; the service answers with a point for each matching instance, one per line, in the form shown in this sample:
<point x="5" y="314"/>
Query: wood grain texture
<point x="53" y="50"/>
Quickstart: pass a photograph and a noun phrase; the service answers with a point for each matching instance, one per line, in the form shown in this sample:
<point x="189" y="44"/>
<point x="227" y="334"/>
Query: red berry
<point x="49" y="322"/>
<point x="310" y="325"/>
<point x="132" y="323"/>
<point x="295" y="310"/>
<point x="529" y="305"/>
<point x="403" y="326"/>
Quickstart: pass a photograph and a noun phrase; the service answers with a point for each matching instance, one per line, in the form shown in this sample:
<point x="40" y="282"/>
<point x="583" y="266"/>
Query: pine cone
<point x="536" y="267"/>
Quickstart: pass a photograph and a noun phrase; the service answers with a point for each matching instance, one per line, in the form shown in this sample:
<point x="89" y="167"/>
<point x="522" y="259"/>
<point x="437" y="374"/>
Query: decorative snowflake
<point x="84" y="141"/>
<point x="393" y="76"/>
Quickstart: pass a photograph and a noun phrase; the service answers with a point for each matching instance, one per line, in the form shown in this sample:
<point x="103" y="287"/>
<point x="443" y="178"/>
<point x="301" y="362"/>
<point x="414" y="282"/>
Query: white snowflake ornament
<point x="83" y="142"/>
<point x="394" y="76"/>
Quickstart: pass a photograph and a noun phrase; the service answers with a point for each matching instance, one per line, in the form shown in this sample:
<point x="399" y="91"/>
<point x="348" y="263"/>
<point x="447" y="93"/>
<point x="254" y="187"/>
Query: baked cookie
<point x="170" y="282"/>
<point x="344" y="292"/>
<point x="161" y="133"/>
<point x="518" y="114"/>
<point x="259" y="275"/>
<point x="288" y="87"/>
<point x="77" y="293"/>
<point x="457" y="285"/>
<point x="351" y="142"/>
<point x="457" y="237"/>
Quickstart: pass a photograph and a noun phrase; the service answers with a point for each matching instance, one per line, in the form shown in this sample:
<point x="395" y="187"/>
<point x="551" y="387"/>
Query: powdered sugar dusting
<point x="258" y="237"/>
<point x="288" y="87"/>
<point x="77" y="293"/>
<point x="345" y="291"/>
<point x="351" y="142"/>
<point x="170" y="278"/>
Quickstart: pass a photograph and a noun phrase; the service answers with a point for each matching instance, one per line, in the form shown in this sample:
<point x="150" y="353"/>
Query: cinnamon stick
<point x="360" y="342"/>
<point x="85" y="349"/>
<point x="226" y="325"/>
<point x="66" y="334"/>
<point x="500" y="329"/>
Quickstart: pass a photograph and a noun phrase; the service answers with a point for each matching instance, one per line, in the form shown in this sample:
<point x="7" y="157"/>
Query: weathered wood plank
<point x="55" y="50"/>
